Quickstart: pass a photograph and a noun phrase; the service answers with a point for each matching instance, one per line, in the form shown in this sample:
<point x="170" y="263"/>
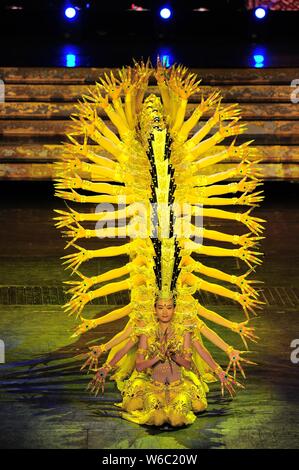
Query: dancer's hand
<point x="247" y="240"/>
<point x="245" y="332"/>
<point x="66" y="218"/>
<point x="85" y="326"/>
<point x="247" y="186"/>
<point x="243" y="151"/>
<point x="249" y="256"/>
<point x="70" y="195"/>
<point x="210" y="101"/>
<point x="77" y="303"/>
<point x="111" y="85"/>
<point x="75" y="259"/>
<point x="97" y="384"/>
<point x="68" y="166"/>
<point x="75" y="233"/>
<point x="248" y="303"/>
<point x="253" y="223"/>
<point x="93" y="357"/>
<point x="231" y="129"/>
<point x="227" y="382"/>
<point x="247" y="168"/>
<point x="251" y="199"/>
<point x="80" y="286"/>
<point x="235" y="360"/>
<point x="67" y="182"/>
<point x="231" y="112"/>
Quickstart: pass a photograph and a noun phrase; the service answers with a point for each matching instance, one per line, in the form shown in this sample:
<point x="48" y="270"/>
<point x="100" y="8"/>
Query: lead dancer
<point x="162" y="172"/>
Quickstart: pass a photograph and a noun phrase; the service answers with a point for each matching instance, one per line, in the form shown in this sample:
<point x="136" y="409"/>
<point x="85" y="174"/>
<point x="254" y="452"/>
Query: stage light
<point x="259" y="61"/>
<point x="259" y="58"/>
<point x="70" y="13"/>
<point x="165" y="13"/>
<point x="165" y="55"/>
<point x="260" y="13"/>
<point x="70" y="60"/>
<point x="165" y="60"/>
<point x="70" y="55"/>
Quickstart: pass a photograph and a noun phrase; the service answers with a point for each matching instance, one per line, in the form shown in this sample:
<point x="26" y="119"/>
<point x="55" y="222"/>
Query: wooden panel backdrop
<point x="39" y="101"/>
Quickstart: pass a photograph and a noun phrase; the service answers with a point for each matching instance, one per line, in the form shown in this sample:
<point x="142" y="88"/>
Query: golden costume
<point x="149" y="399"/>
<point x="149" y="169"/>
<point x="159" y="403"/>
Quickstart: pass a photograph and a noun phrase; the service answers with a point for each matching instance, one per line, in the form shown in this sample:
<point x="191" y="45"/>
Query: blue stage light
<point x="260" y="13"/>
<point x="165" y="13"/>
<point x="70" y="60"/>
<point x="70" y="55"/>
<point x="166" y="56"/>
<point x="165" y="60"/>
<point x="70" y="13"/>
<point x="259" y="58"/>
<point x="259" y="61"/>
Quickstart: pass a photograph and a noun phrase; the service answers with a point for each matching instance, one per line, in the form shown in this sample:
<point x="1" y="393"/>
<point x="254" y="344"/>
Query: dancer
<point x="154" y="185"/>
<point x="163" y="388"/>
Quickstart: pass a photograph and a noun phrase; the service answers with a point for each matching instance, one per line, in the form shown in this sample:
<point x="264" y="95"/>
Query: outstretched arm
<point x="88" y="325"/>
<point x="225" y="379"/>
<point x="98" y="381"/>
<point x="246" y="332"/>
<point x="120" y="354"/>
<point x="234" y="355"/>
<point x="96" y="351"/>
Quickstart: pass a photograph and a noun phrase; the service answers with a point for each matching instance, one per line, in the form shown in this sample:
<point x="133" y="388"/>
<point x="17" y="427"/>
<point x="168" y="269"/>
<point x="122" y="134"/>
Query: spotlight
<point x="259" y="65"/>
<point x="166" y="56"/>
<point x="260" y="13"/>
<point x="259" y="58"/>
<point x="70" y="55"/>
<point x="165" y="60"/>
<point x="165" y="13"/>
<point x="70" y="13"/>
<point x="70" y="60"/>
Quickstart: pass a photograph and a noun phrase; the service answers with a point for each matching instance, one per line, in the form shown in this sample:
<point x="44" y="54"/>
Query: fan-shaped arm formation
<point x="150" y="182"/>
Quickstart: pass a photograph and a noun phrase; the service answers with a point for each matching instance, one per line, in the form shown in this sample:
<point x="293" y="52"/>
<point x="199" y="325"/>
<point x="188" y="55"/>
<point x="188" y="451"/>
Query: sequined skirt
<point x="146" y="401"/>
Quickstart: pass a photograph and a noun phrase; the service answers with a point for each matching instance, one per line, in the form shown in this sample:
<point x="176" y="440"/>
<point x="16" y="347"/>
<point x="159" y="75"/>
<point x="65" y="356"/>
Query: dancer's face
<point x="164" y="310"/>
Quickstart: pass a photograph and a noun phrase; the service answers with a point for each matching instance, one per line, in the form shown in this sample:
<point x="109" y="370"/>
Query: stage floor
<point x="43" y="401"/>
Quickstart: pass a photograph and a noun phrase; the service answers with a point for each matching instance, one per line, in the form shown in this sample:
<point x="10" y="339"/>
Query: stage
<point x="44" y="402"/>
<point x="45" y="68"/>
